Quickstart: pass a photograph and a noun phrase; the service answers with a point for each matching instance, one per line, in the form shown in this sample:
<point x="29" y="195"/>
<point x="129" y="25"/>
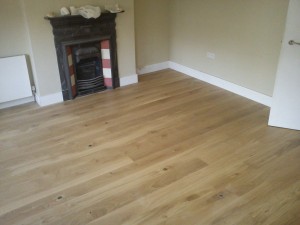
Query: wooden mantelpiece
<point x="74" y="30"/>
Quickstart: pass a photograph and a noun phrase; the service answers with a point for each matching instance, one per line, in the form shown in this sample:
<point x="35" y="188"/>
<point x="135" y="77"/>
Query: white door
<point x="285" y="110"/>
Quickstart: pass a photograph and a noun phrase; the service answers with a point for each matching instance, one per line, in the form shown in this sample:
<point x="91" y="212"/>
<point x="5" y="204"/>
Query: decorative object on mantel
<point x="112" y="6"/>
<point x="89" y="11"/>
<point x="64" y="11"/>
<point x="74" y="11"/>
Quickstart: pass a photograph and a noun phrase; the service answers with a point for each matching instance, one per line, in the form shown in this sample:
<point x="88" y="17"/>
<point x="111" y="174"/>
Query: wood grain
<point x="169" y="150"/>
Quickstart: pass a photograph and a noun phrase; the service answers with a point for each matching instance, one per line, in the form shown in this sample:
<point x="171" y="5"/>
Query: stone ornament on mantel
<point x="89" y="11"/>
<point x="114" y="8"/>
<point x="64" y="11"/>
<point x="74" y="11"/>
<point x="86" y="11"/>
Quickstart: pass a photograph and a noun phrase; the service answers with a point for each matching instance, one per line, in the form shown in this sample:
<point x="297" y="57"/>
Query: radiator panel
<point x="14" y="79"/>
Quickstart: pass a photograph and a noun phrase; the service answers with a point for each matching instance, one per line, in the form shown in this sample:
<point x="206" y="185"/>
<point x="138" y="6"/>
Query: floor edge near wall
<point x="16" y="102"/>
<point x="234" y="88"/>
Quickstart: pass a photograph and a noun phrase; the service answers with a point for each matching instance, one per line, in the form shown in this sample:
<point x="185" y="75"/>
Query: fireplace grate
<point x="89" y="70"/>
<point x="90" y="83"/>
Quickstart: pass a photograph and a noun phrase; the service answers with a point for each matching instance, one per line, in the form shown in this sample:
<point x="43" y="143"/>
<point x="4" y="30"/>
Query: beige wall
<point x="126" y="39"/>
<point x="244" y="35"/>
<point x="13" y="38"/>
<point x="40" y="44"/>
<point x="43" y="50"/>
<point x="152" y="31"/>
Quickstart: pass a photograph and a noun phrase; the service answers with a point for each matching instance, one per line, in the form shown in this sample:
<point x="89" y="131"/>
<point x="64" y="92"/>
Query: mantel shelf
<point x="68" y="17"/>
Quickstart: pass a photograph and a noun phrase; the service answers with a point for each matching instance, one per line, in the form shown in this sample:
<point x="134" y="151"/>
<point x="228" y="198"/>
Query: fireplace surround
<point x="86" y="52"/>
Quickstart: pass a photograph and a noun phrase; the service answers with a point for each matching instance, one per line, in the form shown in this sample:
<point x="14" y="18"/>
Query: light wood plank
<point x="169" y="150"/>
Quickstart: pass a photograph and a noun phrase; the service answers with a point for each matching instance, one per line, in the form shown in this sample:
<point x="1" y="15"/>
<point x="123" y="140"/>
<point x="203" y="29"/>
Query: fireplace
<point x="86" y="54"/>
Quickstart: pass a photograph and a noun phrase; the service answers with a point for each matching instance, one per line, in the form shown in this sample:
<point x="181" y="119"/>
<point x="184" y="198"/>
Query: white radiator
<point x="14" y="79"/>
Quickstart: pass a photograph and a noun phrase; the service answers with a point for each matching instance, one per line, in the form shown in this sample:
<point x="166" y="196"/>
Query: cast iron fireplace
<point x="86" y="54"/>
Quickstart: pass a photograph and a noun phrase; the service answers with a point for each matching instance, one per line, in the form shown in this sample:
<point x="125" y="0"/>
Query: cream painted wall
<point x="244" y="35"/>
<point x="152" y="31"/>
<point x="126" y="39"/>
<point x="13" y="38"/>
<point x="39" y="41"/>
<point x="43" y="50"/>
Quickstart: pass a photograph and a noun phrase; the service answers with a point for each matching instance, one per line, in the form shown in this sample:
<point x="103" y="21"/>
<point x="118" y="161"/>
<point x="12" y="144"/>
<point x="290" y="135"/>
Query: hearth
<point x="86" y="54"/>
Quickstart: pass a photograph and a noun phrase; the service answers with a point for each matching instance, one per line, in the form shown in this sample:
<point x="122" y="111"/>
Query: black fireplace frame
<point x="74" y="30"/>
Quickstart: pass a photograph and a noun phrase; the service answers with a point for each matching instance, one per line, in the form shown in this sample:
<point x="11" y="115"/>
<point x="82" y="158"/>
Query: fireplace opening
<point x="88" y="69"/>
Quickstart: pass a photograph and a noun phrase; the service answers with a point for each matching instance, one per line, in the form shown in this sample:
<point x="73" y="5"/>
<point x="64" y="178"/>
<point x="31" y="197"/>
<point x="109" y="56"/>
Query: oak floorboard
<point x="169" y="150"/>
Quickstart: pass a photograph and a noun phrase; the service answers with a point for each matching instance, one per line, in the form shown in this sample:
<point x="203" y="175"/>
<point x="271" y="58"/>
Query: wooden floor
<point x="169" y="150"/>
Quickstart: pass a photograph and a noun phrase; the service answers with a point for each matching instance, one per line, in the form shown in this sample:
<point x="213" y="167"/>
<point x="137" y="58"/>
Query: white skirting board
<point x="15" y="87"/>
<point x="49" y="99"/>
<point x="242" y="91"/>
<point x="153" y="68"/>
<point x="133" y="79"/>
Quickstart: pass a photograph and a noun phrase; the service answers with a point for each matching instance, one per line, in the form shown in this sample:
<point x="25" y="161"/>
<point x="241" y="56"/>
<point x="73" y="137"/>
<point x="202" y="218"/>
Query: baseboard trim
<point x="16" y="102"/>
<point x="234" y="88"/>
<point x="49" y="99"/>
<point x="125" y="81"/>
<point x="153" y="68"/>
